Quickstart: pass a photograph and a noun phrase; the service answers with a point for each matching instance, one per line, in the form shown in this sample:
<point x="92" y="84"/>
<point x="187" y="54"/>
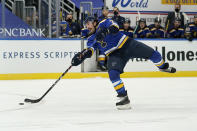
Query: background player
<point x="156" y="29"/>
<point x="143" y="30"/>
<point x="119" y="48"/>
<point x="127" y="30"/>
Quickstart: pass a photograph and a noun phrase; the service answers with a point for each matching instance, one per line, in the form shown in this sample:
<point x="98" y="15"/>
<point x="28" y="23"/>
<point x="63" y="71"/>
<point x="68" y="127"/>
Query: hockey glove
<point x="81" y="56"/>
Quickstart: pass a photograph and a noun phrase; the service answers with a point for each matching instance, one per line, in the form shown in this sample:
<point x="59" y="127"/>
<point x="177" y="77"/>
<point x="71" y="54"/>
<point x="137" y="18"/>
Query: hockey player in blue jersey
<point x="101" y="57"/>
<point x="127" y="30"/>
<point x="176" y="31"/>
<point x="142" y="30"/>
<point x="193" y="27"/>
<point x="156" y="29"/>
<point x="119" y="48"/>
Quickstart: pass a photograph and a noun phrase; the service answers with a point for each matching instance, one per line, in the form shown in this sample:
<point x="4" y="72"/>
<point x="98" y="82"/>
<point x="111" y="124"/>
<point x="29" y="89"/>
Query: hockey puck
<point x="21" y="103"/>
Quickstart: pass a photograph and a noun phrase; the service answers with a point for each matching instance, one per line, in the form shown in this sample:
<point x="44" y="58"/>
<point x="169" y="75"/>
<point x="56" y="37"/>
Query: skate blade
<point x="124" y="107"/>
<point x="169" y="70"/>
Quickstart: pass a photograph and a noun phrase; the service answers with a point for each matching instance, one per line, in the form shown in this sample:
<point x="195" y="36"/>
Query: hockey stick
<point x="139" y="17"/>
<point x="39" y="99"/>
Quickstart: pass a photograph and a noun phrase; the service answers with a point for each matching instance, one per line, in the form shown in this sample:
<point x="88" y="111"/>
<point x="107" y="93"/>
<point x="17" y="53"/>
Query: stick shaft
<point x="55" y="83"/>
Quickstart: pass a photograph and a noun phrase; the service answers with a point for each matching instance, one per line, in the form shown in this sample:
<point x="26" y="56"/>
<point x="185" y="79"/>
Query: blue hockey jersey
<point x="193" y="29"/>
<point x="111" y="41"/>
<point x="157" y="32"/>
<point x="176" y="33"/>
<point x="128" y="32"/>
<point x="65" y="29"/>
<point x="143" y="33"/>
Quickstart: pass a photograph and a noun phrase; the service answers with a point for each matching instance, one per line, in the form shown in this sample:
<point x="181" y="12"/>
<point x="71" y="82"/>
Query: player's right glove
<point x="81" y="56"/>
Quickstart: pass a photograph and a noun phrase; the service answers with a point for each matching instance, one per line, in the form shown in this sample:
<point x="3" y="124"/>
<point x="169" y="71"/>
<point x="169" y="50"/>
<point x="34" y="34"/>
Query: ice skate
<point x="123" y="102"/>
<point x="168" y="69"/>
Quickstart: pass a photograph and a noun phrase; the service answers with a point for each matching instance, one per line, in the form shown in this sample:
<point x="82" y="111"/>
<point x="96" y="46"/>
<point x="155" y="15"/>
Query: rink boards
<point x="46" y="59"/>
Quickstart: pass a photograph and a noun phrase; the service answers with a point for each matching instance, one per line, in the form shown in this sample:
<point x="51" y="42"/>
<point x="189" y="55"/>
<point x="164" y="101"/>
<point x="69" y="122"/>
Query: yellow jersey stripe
<point x="181" y="29"/>
<point x="172" y="30"/>
<point x="160" y="64"/>
<point x="102" y="21"/>
<point x="123" y="42"/>
<point x="153" y="29"/>
<point x="92" y="50"/>
<point x="101" y="59"/>
<point x="140" y="31"/>
<point x="120" y="44"/>
<point x="116" y="26"/>
<point x="119" y="86"/>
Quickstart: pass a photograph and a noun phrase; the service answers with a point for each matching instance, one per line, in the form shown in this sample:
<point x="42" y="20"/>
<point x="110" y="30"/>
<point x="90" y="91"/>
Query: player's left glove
<point x="81" y="56"/>
<point x="101" y="34"/>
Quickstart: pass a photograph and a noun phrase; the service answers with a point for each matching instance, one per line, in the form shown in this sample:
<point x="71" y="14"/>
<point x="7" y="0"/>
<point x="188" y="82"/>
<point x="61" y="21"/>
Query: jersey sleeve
<point x="92" y="44"/>
<point x="107" y="23"/>
<point x="171" y="33"/>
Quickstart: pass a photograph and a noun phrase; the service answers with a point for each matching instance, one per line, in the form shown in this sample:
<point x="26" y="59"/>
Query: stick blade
<point x="31" y="100"/>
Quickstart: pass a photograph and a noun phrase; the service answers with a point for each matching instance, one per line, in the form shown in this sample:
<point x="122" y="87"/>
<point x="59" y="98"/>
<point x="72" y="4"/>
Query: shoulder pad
<point x="102" y="21"/>
<point x="172" y="30"/>
<point x="146" y="28"/>
<point x="153" y="29"/>
<point x="180" y="29"/>
<point x="140" y="31"/>
<point x="162" y="29"/>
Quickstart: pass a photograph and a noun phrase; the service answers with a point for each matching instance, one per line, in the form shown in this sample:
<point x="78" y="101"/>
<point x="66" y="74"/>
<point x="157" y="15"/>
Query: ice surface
<point x="159" y="104"/>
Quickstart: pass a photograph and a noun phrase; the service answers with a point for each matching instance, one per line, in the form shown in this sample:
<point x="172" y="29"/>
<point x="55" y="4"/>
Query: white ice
<point x="159" y="104"/>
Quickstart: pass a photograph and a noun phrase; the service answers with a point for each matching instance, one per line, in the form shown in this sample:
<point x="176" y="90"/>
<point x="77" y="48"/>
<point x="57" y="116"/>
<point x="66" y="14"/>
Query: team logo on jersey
<point x="103" y="44"/>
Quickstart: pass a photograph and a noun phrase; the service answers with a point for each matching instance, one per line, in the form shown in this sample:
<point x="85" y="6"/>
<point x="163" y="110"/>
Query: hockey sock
<point x="114" y="76"/>
<point x="101" y="60"/>
<point x="157" y="59"/>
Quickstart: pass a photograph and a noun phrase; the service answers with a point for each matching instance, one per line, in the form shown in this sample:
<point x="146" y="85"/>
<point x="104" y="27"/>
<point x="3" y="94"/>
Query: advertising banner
<point x="150" y="9"/>
<point x="54" y="56"/>
<point x="37" y="56"/>
<point x="179" y="53"/>
<point x="182" y="2"/>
